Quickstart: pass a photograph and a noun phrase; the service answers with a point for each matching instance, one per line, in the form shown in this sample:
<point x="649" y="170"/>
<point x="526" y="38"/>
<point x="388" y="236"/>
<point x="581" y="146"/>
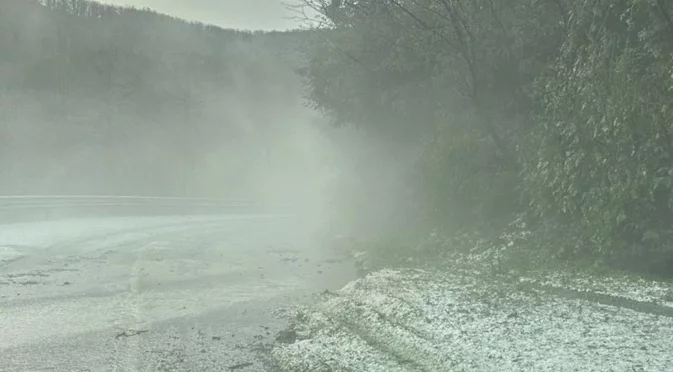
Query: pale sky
<point x="239" y="14"/>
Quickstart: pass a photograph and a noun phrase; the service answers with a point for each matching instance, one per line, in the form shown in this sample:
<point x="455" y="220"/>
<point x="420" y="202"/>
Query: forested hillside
<point x="102" y="99"/>
<point x="550" y="114"/>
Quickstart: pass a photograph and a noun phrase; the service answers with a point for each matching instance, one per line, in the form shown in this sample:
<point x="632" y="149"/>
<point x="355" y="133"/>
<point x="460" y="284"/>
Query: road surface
<point x="154" y="293"/>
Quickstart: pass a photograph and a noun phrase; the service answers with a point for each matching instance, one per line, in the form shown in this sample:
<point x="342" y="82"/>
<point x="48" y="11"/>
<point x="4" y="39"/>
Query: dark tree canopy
<point x="552" y="109"/>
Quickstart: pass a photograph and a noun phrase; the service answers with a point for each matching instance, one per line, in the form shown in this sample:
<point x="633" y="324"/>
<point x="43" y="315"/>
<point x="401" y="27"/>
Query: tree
<point x="599" y="160"/>
<point x="453" y="77"/>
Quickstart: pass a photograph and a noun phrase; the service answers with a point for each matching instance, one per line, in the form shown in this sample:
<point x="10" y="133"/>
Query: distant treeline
<point x="106" y="99"/>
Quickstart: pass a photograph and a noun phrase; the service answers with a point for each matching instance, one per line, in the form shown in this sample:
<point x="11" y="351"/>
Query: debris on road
<point x="240" y="366"/>
<point x="29" y="282"/>
<point x="286" y="336"/>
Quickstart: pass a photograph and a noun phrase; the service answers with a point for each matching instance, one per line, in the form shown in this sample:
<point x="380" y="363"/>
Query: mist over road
<point x="153" y="293"/>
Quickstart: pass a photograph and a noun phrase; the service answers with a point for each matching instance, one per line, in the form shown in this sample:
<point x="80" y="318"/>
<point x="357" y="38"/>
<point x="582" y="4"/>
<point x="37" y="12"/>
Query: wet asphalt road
<point x="154" y="294"/>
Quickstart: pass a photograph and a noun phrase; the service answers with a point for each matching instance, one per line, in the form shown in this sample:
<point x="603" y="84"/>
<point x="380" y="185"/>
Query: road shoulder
<point x="429" y="320"/>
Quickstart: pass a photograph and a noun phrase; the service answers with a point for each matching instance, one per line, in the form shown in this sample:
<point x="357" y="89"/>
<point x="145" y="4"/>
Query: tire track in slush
<point x="117" y="265"/>
<point x="128" y="340"/>
<point x="94" y="248"/>
<point x="131" y="324"/>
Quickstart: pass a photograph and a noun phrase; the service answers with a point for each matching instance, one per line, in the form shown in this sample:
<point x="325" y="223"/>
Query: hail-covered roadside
<point x="414" y="320"/>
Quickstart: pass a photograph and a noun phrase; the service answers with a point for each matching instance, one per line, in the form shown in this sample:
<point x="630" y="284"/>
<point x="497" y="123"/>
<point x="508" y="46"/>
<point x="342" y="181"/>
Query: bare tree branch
<point x="496" y="18"/>
<point x="350" y="56"/>
<point x="423" y="24"/>
<point x="303" y="7"/>
<point x="410" y="14"/>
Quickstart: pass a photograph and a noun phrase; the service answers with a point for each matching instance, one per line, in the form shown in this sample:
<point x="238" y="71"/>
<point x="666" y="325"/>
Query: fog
<point x="100" y="100"/>
<point x="482" y="144"/>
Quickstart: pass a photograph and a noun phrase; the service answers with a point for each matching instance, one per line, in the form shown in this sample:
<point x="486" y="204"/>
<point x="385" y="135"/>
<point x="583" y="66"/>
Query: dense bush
<point x="599" y="159"/>
<point x="557" y="109"/>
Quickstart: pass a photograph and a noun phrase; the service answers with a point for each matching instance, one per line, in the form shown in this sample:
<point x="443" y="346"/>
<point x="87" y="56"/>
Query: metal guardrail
<point x="50" y="206"/>
<point x="48" y="201"/>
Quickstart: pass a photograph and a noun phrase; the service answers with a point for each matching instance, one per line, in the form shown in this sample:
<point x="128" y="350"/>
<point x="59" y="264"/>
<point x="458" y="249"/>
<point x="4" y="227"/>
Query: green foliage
<point x="600" y="159"/>
<point x="559" y="109"/>
<point x="359" y="79"/>
<point x="465" y="182"/>
<point x="450" y="78"/>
